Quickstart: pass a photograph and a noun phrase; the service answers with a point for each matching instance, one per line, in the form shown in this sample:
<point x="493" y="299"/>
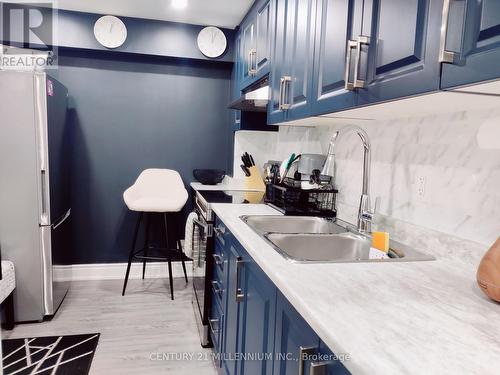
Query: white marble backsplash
<point x="457" y="155"/>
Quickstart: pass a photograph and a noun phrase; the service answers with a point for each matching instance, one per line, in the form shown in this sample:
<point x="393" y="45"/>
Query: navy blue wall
<point x="146" y="37"/>
<point x="154" y="102"/>
<point x="130" y="114"/>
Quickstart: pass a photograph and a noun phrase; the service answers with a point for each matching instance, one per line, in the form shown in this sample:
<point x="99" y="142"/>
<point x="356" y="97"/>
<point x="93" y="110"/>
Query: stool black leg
<point x="9" y="312"/>
<point x="146" y="244"/>
<point x="131" y="254"/>
<point x="170" y="279"/>
<point x="179" y="246"/>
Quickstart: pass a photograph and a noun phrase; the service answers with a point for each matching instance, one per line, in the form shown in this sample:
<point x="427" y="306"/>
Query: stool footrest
<point x="161" y="253"/>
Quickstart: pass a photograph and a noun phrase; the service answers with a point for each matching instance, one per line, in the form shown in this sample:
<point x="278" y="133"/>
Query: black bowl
<point x="209" y="176"/>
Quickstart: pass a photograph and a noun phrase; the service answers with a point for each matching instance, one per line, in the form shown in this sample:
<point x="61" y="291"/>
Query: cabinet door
<point x="294" y="339"/>
<point x="403" y="49"/>
<point x="299" y="46"/>
<point x="247" y="52"/>
<point x="330" y="363"/>
<point x="263" y="28"/>
<point x="257" y="318"/>
<point x="338" y="21"/>
<point x="237" y="72"/>
<point x="474" y="35"/>
<point x="232" y="311"/>
<point x="275" y="114"/>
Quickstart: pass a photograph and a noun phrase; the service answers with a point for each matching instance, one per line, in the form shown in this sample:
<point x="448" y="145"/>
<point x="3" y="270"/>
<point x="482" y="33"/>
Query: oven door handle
<point x="200" y="224"/>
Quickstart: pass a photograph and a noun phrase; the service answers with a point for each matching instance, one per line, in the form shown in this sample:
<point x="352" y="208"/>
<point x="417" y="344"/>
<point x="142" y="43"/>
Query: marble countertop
<point x="391" y="318"/>
<point x="227" y="184"/>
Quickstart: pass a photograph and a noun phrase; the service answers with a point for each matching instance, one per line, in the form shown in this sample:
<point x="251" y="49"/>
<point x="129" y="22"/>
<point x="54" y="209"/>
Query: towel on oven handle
<point x="194" y="246"/>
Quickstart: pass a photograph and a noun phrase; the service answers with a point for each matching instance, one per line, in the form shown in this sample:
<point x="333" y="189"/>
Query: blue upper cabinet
<point x="275" y="112"/>
<point x="471" y="52"/>
<point x="397" y="55"/>
<point x="338" y="22"/>
<point x="237" y="70"/>
<point x="291" y="78"/>
<point x="255" y="46"/>
<point x="263" y="28"/>
<point x="247" y="52"/>
<point x="300" y="49"/>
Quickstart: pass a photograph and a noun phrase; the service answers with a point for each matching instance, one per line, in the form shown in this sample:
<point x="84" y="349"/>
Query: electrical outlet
<point x="421" y="182"/>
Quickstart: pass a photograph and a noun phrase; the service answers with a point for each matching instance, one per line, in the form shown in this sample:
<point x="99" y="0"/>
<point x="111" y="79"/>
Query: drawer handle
<point x="214" y="322"/>
<point x="303" y="351"/>
<point x="318" y="368"/>
<point x="239" y="291"/>
<point x="218" y="260"/>
<point x="217" y="288"/>
<point x="446" y="56"/>
<point x="220" y="230"/>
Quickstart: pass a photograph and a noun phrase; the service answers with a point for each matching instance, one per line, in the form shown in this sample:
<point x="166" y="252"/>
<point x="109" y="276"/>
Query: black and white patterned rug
<point x="59" y="355"/>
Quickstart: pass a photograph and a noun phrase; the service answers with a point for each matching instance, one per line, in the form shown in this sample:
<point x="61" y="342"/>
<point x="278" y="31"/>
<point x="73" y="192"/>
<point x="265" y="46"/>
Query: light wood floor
<point x="133" y="327"/>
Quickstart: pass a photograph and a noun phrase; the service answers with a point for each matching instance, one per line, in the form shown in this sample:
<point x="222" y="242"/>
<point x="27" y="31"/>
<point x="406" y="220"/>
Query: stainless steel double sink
<point x="305" y="239"/>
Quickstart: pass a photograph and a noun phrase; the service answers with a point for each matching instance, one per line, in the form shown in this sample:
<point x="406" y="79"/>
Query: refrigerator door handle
<point x="44" y="219"/>
<point x="62" y="219"/>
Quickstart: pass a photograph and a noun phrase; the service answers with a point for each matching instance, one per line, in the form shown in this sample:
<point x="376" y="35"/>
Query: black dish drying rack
<point x="289" y="198"/>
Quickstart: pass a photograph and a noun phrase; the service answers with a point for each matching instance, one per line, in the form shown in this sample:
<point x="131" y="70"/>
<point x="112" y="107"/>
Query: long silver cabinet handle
<point x="362" y="40"/>
<point x="351" y="45"/>
<point x="252" y="62"/>
<point x="280" y="97"/>
<point x="445" y="56"/>
<point x="303" y="351"/>
<point x="240" y="295"/>
<point x="285" y="93"/>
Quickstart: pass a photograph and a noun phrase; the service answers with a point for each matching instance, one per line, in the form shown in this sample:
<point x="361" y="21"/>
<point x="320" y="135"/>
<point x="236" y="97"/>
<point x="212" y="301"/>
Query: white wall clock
<point x="110" y="31"/>
<point x="212" y="42"/>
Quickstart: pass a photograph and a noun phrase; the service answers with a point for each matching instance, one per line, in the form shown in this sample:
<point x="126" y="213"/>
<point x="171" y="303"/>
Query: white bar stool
<point x="156" y="191"/>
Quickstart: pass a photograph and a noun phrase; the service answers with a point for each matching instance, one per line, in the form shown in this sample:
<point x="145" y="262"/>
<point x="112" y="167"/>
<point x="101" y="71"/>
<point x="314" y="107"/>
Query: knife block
<point x="488" y="273"/>
<point x="255" y="180"/>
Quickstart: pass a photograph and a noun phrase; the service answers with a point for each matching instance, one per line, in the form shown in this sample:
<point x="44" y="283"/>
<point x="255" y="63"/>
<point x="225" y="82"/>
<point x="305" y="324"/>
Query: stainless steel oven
<point x="203" y="250"/>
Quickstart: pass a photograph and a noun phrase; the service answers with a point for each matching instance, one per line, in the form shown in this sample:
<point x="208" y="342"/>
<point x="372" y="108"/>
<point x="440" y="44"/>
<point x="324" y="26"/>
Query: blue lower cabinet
<point x="327" y="363"/>
<point x="216" y="325"/>
<point x="254" y="329"/>
<point x="256" y="295"/>
<point x="232" y="312"/>
<point x="295" y="342"/>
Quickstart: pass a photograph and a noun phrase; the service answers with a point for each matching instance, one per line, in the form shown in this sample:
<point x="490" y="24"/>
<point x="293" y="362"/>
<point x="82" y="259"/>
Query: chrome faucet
<point x="365" y="214"/>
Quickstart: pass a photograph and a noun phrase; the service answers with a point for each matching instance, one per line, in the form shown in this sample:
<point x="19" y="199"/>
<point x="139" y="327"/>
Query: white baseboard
<point x="116" y="271"/>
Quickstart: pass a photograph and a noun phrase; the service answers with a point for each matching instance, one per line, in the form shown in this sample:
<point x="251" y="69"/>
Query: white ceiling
<point x="222" y="13"/>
